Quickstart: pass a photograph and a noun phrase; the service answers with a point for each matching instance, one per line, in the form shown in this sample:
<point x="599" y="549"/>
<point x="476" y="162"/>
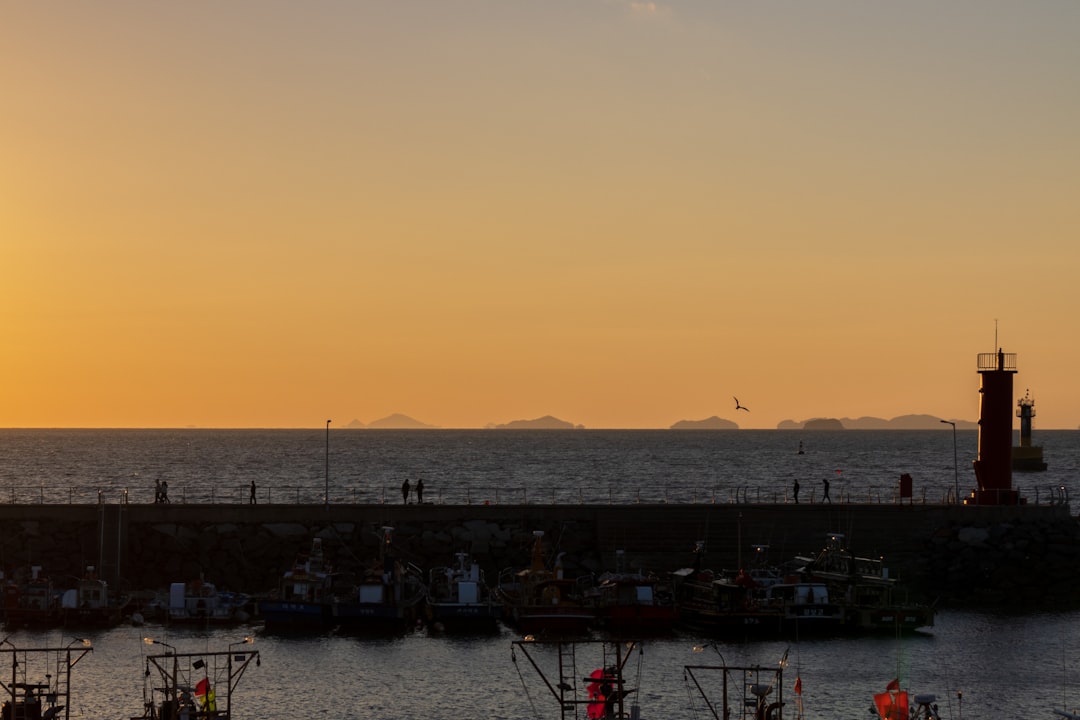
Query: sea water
<point x="1001" y="666"/>
<point x="976" y="663"/>
<point x="495" y="466"/>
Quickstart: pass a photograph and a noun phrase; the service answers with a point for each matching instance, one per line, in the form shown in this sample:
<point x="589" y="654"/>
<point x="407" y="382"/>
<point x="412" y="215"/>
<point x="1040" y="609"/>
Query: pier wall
<point x="993" y="555"/>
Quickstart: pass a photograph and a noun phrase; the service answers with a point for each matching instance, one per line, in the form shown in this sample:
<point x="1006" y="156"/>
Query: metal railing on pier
<point x="465" y="494"/>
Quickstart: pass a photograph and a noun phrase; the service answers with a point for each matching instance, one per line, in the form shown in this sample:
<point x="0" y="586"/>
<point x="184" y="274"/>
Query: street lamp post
<point x="327" y="496"/>
<point x="152" y="641"/>
<point x="956" y="476"/>
<point x="228" y="698"/>
<point x="170" y="692"/>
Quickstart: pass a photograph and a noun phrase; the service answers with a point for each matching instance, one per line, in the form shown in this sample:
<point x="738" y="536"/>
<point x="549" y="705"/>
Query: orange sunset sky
<point x="268" y="213"/>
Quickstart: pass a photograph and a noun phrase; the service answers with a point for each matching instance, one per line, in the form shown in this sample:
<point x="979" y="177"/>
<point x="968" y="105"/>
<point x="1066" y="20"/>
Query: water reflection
<point x="1005" y="665"/>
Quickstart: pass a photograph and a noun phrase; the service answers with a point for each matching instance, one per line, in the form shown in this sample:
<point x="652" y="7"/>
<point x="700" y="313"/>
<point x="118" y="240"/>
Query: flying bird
<point x="738" y="406"/>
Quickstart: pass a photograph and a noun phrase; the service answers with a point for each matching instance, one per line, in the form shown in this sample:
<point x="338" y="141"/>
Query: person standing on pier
<point x="795" y="490"/>
<point x="825" y="494"/>
<point x="420" y="491"/>
<point x="157" y="491"/>
<point x="251" y="499"/>
<point x="405" y="491"/>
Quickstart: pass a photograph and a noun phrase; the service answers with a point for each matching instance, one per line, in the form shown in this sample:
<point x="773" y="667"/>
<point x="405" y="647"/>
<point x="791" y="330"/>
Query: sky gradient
<point x="267" y="214"/>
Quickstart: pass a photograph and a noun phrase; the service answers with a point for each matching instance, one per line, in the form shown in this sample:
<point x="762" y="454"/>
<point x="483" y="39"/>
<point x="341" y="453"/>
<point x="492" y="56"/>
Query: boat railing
<point x="673" y="493"/>
<point x="733" y="693"/>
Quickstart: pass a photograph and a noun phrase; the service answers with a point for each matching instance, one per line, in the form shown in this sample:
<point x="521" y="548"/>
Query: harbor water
<point x="1015" y="666"/>
<point x="1002" y="666"/>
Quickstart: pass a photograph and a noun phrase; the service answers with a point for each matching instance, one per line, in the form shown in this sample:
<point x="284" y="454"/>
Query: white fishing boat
<point x="459" y="598"/>
<point x="200" y="603"/>
<point x="805" y="608"/>
<point x="91" y="603"/>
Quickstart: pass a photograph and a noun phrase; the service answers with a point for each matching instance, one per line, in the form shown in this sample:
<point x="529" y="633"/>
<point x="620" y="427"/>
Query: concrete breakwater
<point x="1021" y="556"/>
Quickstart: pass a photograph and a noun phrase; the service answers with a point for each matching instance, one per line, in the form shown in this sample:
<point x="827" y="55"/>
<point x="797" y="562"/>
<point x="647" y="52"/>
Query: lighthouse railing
<point x="997" y="361"/>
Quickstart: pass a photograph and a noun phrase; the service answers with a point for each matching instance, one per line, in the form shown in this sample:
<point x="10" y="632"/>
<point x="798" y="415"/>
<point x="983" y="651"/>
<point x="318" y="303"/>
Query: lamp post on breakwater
<point x="326" y="497"/>
<point x="956" y="476"/>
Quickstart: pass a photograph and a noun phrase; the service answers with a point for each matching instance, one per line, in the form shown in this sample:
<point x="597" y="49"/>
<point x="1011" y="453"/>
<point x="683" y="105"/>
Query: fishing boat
<point x="720" y="605"/>
<point x="388" y="596"/>
<point x="717" y="606"/>
<point x="91" y="604"/>
<point x="633" y="603"/>
<point x="459" y="599"/>
<point x="730" y="692"/>
<point x="194" y="685"/>
<point x="304" y="595"/>
<point x="898" y="704"/>
<point x="865" y="589"/>
<point x="31" y="600"/>
<point x="805" y="608"/>
<point x="585" y="678"/>
<point x="39" y="684"/>
<point x="542" y="601"/>
<point x="200" y="603"/>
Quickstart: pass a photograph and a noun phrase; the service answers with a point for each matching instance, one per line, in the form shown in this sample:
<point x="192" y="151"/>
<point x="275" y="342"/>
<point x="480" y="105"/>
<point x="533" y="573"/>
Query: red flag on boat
<point x="798" y="685"/>
<point x="892" y="706"/>
<point x="893" y="685"/>
<point x="202" y="687"/>
<point x="596" y="706"/>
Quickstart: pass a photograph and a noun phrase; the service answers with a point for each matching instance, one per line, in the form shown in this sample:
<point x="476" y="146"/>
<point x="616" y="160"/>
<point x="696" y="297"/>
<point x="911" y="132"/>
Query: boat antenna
<point x="524" y="685"/>
<point x="1064" y="676"/>
<point x="635" y="708"/>
<point x="798" y="682"/>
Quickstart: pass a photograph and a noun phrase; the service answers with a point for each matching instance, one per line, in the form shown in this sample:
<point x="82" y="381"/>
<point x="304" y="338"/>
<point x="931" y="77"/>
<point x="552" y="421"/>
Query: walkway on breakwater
<point x="573" y="493"/>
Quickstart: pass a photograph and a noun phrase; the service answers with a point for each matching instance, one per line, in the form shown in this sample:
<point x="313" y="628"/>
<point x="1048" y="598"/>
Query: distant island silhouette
<point x="902" y="422"/>
<point x="823" y="424"/>
<point x="542" y="423"/>
<point x="398" y="421"/>
<point x="709" y="423"/>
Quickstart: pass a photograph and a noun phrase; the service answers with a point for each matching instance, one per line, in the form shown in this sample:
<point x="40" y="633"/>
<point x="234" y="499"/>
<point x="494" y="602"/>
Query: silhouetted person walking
<point x="405" y="491"/>
<point x="825" y="494"/>
<point x="251" y="499"/>
<point x="795" y="490"/>
<point x="420" y="491"/>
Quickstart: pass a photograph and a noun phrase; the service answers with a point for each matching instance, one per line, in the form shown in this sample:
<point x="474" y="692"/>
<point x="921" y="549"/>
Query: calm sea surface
<point x="1016" y="666"/>
<point x="473" y="466"/>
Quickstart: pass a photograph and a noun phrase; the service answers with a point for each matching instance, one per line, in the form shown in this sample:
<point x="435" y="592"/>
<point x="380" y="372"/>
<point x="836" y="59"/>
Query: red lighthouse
<point x="993" y="469"/>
